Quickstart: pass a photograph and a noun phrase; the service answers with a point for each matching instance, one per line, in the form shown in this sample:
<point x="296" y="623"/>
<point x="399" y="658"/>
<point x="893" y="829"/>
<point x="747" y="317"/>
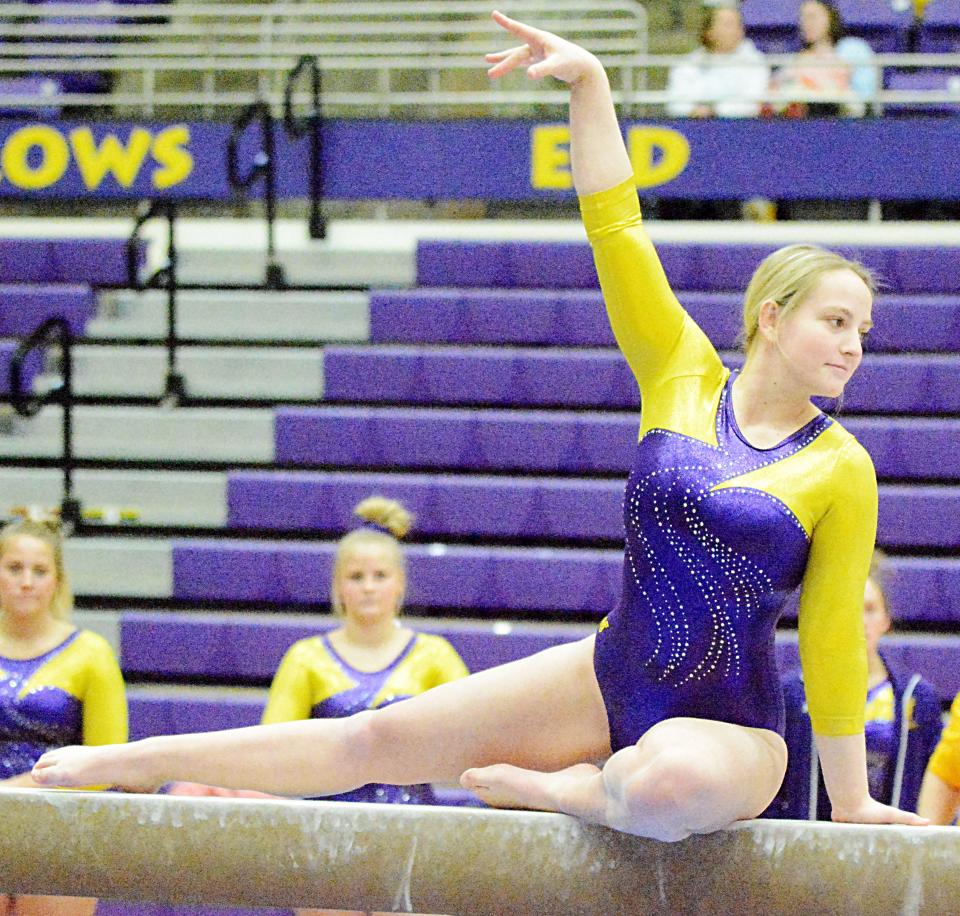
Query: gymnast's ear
<point x="767" y="319"/>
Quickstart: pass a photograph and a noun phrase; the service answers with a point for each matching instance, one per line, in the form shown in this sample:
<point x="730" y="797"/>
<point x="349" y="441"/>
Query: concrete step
<point x="120" y="567"/>
<point x="154" y="498"/>
<point x="145" y="434"/>
<point x="260" y="373"/>
<point x="235" y="315"/>
<point x="309" y="266"/>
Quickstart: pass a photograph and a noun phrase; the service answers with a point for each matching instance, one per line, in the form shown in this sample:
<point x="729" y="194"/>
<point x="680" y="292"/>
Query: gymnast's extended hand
<point x="598" y="157"/>
<point x="543" y="54"/>
<point x="72" y="767"/>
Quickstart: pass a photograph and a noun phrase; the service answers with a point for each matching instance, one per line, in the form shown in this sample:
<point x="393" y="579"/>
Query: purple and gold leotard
<point x="719" y="532"/>
<point x="73" y="694"/>
<point x="315" y="682"/>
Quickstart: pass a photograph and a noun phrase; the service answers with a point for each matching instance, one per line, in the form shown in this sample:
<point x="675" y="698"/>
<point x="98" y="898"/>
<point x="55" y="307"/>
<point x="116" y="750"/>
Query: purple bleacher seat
<point x="173" y="644"/>
<point x="689" y="267"/>
<point x="478" y="440"/>
<point x="577" y="319"/>
<point x="519" y="507"/>
<point x="502" y="377"/>
<point x="919" y="517"/>
<point x="562" y="318"/>
<point x="939" y="31"/>
<point x="501" y="579"/>
<point x="33" y="88"/>
<point x="772" y="24"/>
<point x="24" y="307"/>
<point x="553" y="441"/>
<point x="505" y="264"/>
<point x="149" y="638"/>
<point x="129" y="908"/>
<point x="444" y="505"/>
<point x="97" y="261"/>
<point x="885" y="28"/>
<point x="934" y="657"/>
<point x="915" y="448"/>
<point x="32" y="366"/>
<point x="923" y="81"/>
<point x="529" y="579"/>
<point x="153" y="712"/>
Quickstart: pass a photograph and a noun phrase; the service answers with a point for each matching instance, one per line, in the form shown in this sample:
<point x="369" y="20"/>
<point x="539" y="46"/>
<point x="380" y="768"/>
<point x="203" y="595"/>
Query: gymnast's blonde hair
<point x="787" y="277"/>
<point x="385" y="521"/>
<point x="48" y="532"/>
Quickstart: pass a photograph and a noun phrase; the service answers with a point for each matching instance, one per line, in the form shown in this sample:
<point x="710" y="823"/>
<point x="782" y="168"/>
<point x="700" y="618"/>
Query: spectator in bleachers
<point x="372" y="659"/>
<point x="940" y="794"/>
<point x="902" y="724"/>
<point x="58" y="685"/>
<point x="725" y="77"/>
<point x="830" y="64"/>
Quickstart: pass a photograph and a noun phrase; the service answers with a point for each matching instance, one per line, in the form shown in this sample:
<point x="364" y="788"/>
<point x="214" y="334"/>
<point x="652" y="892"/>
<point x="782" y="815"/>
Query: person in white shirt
<point x="726" y="77"/>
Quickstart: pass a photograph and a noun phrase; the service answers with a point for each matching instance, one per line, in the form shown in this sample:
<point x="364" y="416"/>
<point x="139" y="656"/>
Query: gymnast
<point x="58" y="685"/>
<point x="371" y="659"/>
<point x="741" y="490"/>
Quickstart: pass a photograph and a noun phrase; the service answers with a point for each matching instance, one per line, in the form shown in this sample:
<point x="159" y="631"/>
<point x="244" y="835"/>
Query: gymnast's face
<point x="370" y="584"/>
<point x="876" y="618"/>
<point x="821" y="338"/>
<point x="28" y="577"/>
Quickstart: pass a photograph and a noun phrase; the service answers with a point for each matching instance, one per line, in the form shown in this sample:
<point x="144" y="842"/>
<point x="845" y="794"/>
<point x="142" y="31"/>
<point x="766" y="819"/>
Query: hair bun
<point x="385" y="513"/>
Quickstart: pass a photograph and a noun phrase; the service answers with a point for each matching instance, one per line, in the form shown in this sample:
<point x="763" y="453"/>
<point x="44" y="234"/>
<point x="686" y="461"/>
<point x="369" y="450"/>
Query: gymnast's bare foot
<point x="506" y="786"/>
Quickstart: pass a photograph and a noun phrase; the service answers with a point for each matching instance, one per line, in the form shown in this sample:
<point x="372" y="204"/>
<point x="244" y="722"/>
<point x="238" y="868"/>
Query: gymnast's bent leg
<point x="683" y="776"/>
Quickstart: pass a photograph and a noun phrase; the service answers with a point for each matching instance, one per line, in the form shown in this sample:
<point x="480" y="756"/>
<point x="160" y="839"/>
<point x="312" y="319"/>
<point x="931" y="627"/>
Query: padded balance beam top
<point x="456" y="861"/>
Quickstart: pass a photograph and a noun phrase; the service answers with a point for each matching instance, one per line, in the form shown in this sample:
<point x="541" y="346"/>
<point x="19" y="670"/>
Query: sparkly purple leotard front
<point x="702" y="588"/>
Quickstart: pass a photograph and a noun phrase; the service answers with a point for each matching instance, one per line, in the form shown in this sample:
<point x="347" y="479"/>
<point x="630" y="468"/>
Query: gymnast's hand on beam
<point x="874" y="812"/>
<point x="104" y="765"/>
<point x="543" y="54"/>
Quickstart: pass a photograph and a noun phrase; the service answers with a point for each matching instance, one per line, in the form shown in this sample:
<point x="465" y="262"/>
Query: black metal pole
<point x="275" y="278"/>
<point x="70" y="515"/>
<point x="310" y="126"/>
<point x="176" y="389"/>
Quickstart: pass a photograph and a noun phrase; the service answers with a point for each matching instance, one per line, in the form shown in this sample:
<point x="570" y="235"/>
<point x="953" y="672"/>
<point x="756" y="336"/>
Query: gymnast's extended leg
<point x="543" y="712"/>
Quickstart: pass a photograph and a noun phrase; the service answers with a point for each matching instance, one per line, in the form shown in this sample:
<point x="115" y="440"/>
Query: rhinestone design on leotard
<point x="706" y="574"/>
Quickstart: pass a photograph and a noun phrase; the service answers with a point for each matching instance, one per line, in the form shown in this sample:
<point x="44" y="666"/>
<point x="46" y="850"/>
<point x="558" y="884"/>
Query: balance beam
<point x="456" y="861"/>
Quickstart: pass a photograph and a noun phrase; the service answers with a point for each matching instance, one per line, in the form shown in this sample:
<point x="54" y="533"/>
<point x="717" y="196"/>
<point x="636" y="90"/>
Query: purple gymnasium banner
<point x="891" y="159"/>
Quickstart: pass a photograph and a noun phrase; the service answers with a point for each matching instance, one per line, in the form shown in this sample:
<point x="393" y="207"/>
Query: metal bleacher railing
<point x="390" y="58"/>
<point x="377" y="58"/>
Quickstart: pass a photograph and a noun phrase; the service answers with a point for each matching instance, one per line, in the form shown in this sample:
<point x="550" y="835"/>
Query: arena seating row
<point x="451" y="314"/>
<point x="96" y="261"/>
<point x="689" y="266"/>
<point x="564" y="582"/>
<point x="889" y="384"/>
<point x="523" y="508"/>
<point x="548" y="441"/>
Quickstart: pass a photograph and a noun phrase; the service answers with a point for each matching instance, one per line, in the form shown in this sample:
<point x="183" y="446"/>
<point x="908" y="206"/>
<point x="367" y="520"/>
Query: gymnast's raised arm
<point x="646" y="317"/>
<point x="598" y="156"/>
